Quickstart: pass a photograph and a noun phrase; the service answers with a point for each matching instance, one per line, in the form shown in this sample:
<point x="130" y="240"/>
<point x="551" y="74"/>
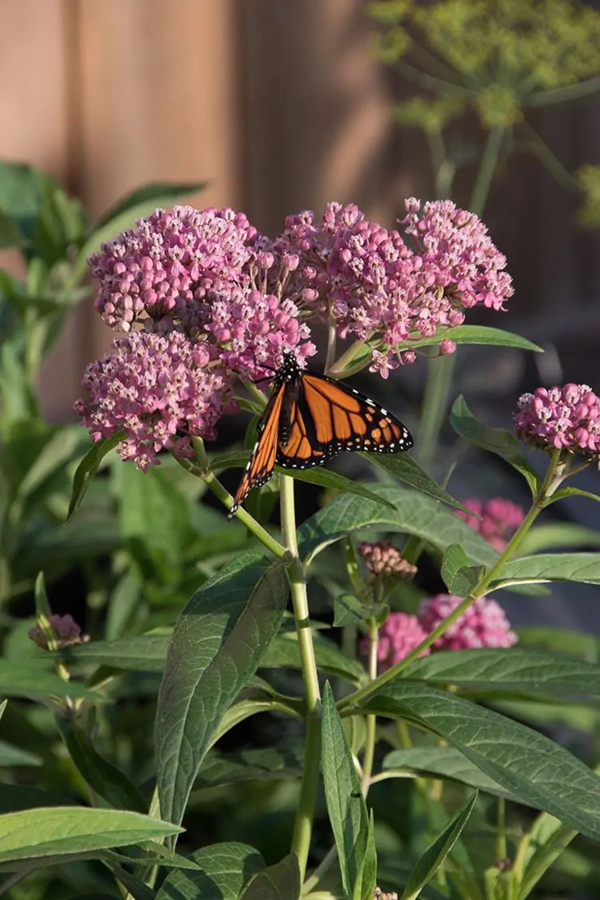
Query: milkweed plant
<point x="400" y="737"/>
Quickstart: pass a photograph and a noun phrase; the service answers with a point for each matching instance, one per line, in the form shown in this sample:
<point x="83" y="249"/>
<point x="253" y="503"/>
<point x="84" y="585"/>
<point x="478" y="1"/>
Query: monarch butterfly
<point x="310" y="418"/>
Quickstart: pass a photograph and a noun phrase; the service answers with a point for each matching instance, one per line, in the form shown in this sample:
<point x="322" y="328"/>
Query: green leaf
<point x="494" y="440"/>
<point x="284" y="653"/>
<point x="267" y="763"/>
<point x="102" y="776"/>
<point x="20" y="194"/>
<point x="408" y="470"/>
<point x="441" y="762"/>
<point x="348" y="610"/>
<point x="226" y="868"/>
<point x="218" y="643"/>
<point x="459" y="576"/>
<point x="158" y="193"/>
<point x="437" y="852"/>
<point x="560" y="640"/>
<point x="511" y="669"/>
<point x="478" y="334"/>
<point x="547" y="839"/>
<point x="368" y="869"/>
<point x="334" y="481"/>
<point x="415" y="514"/>
<point x="563" y="493"/>
<point x="558" y="535"/>
<point x="15" y="756"/>
<point x="61" y="224"/>
<point x="10" y="236"/>
<point x="581" y="567"/>
<point x="70" y="829"/>
<point x="538" y="771"/>
<point x="345" y="803"/>
<point x="143" y="653"/>
<point x="87" y="468"/>
<point x="278" y="882"/>
<point x="29" y="680"/>
<point x="242" y="710"/>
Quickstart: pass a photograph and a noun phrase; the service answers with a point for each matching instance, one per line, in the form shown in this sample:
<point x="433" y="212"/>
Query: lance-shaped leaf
<point x="408" y="470"/>
<point x="278" y="882"/>
<point x="414" y="514"/>
<point x="217" y="646"/>
<point x="225" y="869"/>
<point x="87" y="468"/>
<point x="345" y="803"/>
<point x="460" y="577"/>
<point x="514" y="669"/>
<point x="495" y="440"/>
<point x="478" y="334"/>
<point x="582" y="567"/>
<point x="537" y="770"/>
<point x="437" y="852"/>
<point x="67" y="830"/>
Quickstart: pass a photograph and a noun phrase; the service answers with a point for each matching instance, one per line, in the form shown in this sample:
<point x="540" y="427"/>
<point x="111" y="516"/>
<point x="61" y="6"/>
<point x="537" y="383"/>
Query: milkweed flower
<point x="484" y="624"/>
<point x="382" y="558"/>
<point x="155" y="271"/>
<point x="499" y="519"/>
<point x="400" y="634"/>
<point x="376" y="286"/>
<point x="158" y="391"/>
<point x="560" y="418"/>
<point x="67" y="631"/>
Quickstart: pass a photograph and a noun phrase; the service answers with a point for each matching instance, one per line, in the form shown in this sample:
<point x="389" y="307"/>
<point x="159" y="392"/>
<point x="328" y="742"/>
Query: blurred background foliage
<point x="140" y="545"/>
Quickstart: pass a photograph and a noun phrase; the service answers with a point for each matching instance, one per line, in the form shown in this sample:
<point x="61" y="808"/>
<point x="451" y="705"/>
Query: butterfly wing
<point x="330" y="417"/>
<point x="262" y="461"/>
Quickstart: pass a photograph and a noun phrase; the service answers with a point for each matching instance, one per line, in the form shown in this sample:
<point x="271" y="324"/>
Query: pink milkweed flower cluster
<point x="203" y="290"/>
<point x="382" y="558"/>
<point x="400" y="635"/>
<point x="499" y="519"/>
<point x="483" y="625"/>
<point x="377" y="286"/>
<point x="149" y="389"/>
<point x="560" y="418"/>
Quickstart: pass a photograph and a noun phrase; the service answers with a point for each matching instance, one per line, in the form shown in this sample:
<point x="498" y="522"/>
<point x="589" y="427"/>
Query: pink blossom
<point x="65" y="628"/>
<point x="382" y="558"/>
<point x="253" y="330"/>
<point x="377" y="287"/>
<point x="499" y="519"/>
<point x="560" y="418"/>
<point x="484" y="624"/>
<point x="163" y="266"/>
<point x="158" y="391"/>
<point x="400" y="634"/>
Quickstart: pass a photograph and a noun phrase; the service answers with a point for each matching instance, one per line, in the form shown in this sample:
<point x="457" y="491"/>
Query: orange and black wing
<point x="262" y="461"/>
<point x="329" y="418"/>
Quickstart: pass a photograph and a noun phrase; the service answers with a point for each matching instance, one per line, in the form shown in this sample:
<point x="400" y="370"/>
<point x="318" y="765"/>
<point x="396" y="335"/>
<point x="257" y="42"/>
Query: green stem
<point x="549" y="160"/>
<point x="501" y="851"/>
<point x="331" y="340"/>
<point x="370" y="739"/>
<point x="487" y="167"/>
<point x="440" y="370"/>
<point x="560" y="95"/>
<point x="539" y="501"/>
<point x="214" y="485"/>
<point x="312" y="746"/>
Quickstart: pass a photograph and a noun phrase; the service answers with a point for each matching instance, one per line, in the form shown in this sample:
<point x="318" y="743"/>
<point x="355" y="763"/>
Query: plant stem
<point x="486" y="171"/>
<point x="501" y="851"/>
<point x="312" y="746"/>
<point x="214" y="485"/>
<point x="369" y="754"/>
<point x="539" y="501"/>
<point x="440" y="370"/>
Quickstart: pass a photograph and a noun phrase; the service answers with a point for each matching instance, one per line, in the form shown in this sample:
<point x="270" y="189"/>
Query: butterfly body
<point x="310" y="418"/>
